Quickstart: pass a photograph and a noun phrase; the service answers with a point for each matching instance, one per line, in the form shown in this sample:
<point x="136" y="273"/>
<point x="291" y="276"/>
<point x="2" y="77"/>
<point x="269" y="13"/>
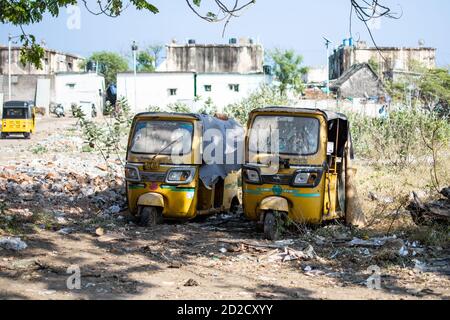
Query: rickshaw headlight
<point x="132" y="173"/>
<point x="307" y="177"/>
<point x="252" y="176"/>
<point x="180" y="175"/>
<point x="302" y="178"/>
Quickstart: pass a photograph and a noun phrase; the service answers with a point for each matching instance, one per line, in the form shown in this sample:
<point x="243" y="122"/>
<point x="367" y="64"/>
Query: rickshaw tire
<point x="149" y="217"/>
<point x="27" y="135"/>
<point x="4" y="135"/>
<point x="271" y="229"/>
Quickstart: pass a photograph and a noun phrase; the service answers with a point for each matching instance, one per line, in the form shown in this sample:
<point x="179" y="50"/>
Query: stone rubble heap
<point x="63" y="181"/>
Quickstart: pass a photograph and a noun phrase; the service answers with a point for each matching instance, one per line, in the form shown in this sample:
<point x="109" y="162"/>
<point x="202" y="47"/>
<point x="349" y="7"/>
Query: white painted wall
<point x="221" y="94"/>
<point x="153" y="89"/>
<point x="79" y="87"/>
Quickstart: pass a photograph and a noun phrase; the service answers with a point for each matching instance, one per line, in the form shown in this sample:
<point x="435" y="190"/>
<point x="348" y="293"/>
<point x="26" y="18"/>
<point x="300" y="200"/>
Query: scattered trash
<point x="307" y="269"/>
<point x="375" y="242"/>
<point x="191" y="283"/>
<point x="223" y="250"/>
<point x="14" y="244"/>
<point x="99" y="232"/>
<point x="403" y="252"/>
<point x="66" y="231"/>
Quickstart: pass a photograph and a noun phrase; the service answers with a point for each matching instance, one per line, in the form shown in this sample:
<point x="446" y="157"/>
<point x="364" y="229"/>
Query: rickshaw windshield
<point x="289" y="135"/>
<point x="15" y="113"/>
<point x="162" y="137"/>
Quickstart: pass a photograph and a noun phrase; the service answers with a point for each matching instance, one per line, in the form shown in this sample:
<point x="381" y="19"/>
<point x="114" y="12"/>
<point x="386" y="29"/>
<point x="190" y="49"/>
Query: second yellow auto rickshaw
<point x="19" y="117"/>
<point x="295" y="169"/>
<point x="166" y="172"/>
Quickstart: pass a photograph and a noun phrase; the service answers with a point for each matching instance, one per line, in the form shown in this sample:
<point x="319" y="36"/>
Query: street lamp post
<point x="327" y="45"/>
<point x="10" y="38"/>
<point x="9" y="66"/>
<point x="134" y="49"/>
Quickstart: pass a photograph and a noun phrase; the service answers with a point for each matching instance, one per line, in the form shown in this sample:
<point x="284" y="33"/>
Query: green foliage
<point x="109" y="137"/>
<point x="374" y="65"/>
<point x="109" y="63"/>
<point x="208" y="107"/>
<point x="145" y="62"/>
<point x="401" y="138"/>
<point x="25" y="12"/>
<point x="39" y="149"/>
<point x="179" y="107"/>
<point x="287" y="66"/>
<point x="435" y="89"/>
<point x="154" y="109"/>
<point x="263" y="97"/>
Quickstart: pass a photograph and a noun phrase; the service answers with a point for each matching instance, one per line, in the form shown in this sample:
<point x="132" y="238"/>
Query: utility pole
<point x="134" y="48"/>
<point x="327" y="45"/>
<point x="9" y="66"/>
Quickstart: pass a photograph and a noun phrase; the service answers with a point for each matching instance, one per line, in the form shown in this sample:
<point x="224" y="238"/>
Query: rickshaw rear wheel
<point x="4" y="135"/>
<point x="27" y="135"/>
<point x="271" y="227"/>
<point x="150" y="216"/>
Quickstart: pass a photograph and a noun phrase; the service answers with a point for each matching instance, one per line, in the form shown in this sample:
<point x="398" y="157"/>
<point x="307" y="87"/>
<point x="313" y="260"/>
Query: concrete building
<point x="163" y="88"/>
<point x="387" y="58"/>
<point x="42" y="85"/>
<point x="315" y="75"/>
<point x="53" y="62"/>
<point x="360" y="81"/>
<point x="193" y="73"/>
<point x="243" y="56"/>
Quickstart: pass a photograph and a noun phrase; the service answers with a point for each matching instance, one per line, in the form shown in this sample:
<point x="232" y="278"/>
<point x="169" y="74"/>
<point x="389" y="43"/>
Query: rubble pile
<point x="433" y="212"/>
<point x="64" y="182"/>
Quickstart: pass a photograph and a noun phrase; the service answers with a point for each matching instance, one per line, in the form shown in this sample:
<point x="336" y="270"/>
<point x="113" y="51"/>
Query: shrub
<point x="263" y="97"/>
<point x="401" y="138"/>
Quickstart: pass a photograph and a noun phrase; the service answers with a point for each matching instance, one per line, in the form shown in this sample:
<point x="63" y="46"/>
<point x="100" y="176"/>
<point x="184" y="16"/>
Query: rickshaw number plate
<point x="151" y="165"/>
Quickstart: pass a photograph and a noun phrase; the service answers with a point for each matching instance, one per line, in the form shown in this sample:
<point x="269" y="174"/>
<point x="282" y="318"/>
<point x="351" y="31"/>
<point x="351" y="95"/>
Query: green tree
<point x="374" y="65"/>
<point x="109" y="64"/>
<point x="435" y="90"/>
<point x="145" y="62"/>
<point x="288" y="69"/>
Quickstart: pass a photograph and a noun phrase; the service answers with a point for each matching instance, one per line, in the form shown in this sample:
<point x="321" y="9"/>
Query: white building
<point x="163" y="88"/>
<point x="79" y="88"/>
<point x="315" y="75"/>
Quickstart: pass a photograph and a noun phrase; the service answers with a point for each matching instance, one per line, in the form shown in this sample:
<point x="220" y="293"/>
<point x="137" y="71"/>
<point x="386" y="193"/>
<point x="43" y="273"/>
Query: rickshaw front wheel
<point x="150" y="216"/>
<point x="27" y="135"/>
<point x="272" y="228"/>
<point x="4" y="135"/>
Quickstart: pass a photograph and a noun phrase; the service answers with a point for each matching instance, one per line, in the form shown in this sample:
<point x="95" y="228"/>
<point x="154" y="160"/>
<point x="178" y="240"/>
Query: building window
<point x="208" y="88"/>
<point x="70" y="85"/>
<point x="172" y="92"/>
<point x="234" y="87"/>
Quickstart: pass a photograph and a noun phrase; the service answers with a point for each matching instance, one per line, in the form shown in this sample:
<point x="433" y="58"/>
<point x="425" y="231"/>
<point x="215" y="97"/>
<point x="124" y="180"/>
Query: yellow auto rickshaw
<point x="19" y="117"/>
<point x="295" y="167"/>
<point x="166" y="173"/>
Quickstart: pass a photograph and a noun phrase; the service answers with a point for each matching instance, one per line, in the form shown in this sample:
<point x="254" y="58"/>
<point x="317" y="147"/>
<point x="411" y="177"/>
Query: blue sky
<point x="290" y="24"/>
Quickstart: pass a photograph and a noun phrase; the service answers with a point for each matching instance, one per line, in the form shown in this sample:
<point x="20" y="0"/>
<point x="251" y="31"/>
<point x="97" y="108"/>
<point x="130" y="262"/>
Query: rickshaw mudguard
<point x="151" y="200"/>
<point x="275" y="204"/>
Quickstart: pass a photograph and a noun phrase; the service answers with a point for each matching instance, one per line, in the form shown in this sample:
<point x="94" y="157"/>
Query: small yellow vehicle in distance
<point x="160" y="185"/>
<point x="18" y="117"/>
<point x="296" y="166"/>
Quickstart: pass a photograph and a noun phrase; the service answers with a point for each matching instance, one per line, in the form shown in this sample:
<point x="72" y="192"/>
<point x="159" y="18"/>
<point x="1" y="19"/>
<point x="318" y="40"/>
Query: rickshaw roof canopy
<point x="18" y="104"/>
<point x="330" y="115"/>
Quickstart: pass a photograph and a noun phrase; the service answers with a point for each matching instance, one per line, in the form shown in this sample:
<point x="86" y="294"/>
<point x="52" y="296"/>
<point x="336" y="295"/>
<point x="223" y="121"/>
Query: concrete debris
<point x="191" y="283"/>
<point x="14" y="244"/>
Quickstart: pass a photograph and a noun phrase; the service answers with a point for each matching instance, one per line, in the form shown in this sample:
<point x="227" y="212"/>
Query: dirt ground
<point x="221" y="257"/>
